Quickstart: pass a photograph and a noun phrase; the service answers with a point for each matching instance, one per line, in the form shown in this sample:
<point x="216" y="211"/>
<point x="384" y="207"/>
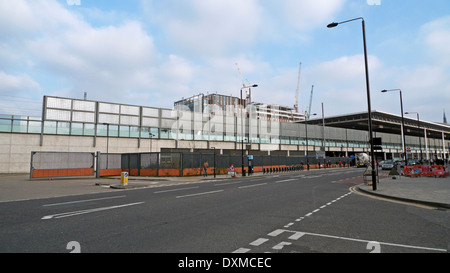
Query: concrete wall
<point x="16" y="148"/>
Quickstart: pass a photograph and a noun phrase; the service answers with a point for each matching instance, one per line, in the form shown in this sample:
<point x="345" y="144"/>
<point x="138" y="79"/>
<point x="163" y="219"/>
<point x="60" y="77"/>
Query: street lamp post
<point x="242" y="129"/>
<point x="403" y="123"/>
<point x="214" y="151"/>
<point x="418" y="127"/>
<point x="332" y="25"/>
<point x="107" y="144"/>
<point x="306" y="131"/>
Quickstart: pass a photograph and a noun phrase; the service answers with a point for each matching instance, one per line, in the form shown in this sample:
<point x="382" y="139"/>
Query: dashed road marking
<point x="201" y="193"/>
<point x="254" y="185"/>
<point x="79" y="212"/>
<point x="295" y="236"/>
<point x="259" y="242"/>
<point x="276" y="232"/>
<point x="299" y="234"/>
<point x="286" y="180"/>
<point x="82" y="201"/>
<point x="241" y="250"/>
<point x="180" y="189"/>
<point x="281" y="245"/>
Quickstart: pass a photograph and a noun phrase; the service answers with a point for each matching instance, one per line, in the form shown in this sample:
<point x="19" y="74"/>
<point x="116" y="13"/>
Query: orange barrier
<point x="62" y="172"/>
<point x="425" y="170"/>
<point x="108" y="172"/>
<point x="149" y="172"/>
<point x="194" y="171"/>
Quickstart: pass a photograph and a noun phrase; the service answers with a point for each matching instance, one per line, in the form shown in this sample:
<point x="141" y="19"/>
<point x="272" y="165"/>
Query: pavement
<point x="430" y="191"/>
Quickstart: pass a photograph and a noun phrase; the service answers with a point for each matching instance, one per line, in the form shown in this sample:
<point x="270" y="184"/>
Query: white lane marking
<point x="259" y="242"/>
<point x="276" y="232"/>
<point x="281" y="245"/>
<point x="368" y="241"/>
<point x="241" y="250"/>
<point x="74" y="213"/>
<point x="296" y="235"/>
<point x="201" y="193"/>
<point x="176" y="189"/>
<point x="229" y="183"/>
<point x="313" y="176"/>
<point x="254" y="185"/>
<point x="281" y="181"/>
<point x="82" y="201"/>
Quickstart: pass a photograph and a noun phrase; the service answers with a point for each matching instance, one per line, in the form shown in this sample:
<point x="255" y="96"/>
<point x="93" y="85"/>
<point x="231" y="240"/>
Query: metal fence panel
<point x="149" y="161"/>
<point x="110" y="161"/>
<point x="59" y="164"/>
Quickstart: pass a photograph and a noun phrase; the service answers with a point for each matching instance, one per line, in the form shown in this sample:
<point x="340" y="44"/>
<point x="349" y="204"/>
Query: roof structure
<point x="387" y="123"/>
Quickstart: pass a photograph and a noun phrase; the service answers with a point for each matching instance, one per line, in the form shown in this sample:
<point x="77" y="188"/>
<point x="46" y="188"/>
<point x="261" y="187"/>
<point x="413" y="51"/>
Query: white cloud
<point x="16" y="17"/>
<point x="17" y="94"/>
<point x="340" y="84"/>
<point x="426" y="85"/>
<point x="206" y="28"/>
<point x="11" y="84"/>
<point x="219" y="33"/>
<point x="436" y="36"/>
<point x="346" y="68"/>
<point x="310" y="14"/>
<point x="104" y="61"/>
<point x="213" y="28"/>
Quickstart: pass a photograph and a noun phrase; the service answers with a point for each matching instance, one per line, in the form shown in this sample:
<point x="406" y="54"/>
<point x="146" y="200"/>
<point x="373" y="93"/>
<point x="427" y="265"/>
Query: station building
<point x="76" y="125"/>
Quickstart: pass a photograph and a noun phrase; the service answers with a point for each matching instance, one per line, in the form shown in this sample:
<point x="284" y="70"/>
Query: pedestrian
<point x="205" y="167"/>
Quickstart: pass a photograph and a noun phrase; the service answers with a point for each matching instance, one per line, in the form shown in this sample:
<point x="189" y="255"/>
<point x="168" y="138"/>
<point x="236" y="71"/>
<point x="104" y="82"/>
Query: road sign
<point x="320" y="155"/>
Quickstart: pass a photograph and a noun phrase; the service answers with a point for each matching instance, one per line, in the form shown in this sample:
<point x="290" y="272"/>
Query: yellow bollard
<point x="124" y="178"/>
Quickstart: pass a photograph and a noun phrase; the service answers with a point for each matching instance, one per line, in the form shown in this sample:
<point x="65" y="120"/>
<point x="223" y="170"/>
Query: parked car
<point x="400" y="163"/>
<point x="387" y="165"/>
<point x="413" y="162"/>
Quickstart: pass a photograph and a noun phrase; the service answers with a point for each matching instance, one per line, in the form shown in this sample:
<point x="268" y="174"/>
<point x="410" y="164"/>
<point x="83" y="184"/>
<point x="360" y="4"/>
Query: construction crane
<point x="247" y="92"/>
<point x="310" y="101"/>
<point x="298" y="88"/>
<point x="240" y="74"/>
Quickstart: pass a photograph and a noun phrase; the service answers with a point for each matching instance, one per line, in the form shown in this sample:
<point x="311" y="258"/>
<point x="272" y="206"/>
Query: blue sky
<point x="154" y="52"/>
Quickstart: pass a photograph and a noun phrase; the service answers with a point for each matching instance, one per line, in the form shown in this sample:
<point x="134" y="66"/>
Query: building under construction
<point x="210" y="103"/>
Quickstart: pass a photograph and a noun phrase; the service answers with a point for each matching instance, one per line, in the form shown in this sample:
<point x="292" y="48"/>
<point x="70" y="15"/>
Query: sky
<point x="154" y="52"/>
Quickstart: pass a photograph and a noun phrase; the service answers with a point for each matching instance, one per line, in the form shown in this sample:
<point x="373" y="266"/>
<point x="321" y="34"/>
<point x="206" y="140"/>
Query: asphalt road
<point x="290" y="213"/>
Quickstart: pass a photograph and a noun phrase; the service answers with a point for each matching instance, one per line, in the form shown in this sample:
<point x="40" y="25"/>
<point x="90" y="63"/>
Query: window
<point x="77" y="129"/>
<point x="19" y="126"/>
<point x="5" y="125"/>
<point x="63" y="128"/>
<point x="89" y="129"/>
<point x="50" y="127"/>
<point x="165" y="133"/>
<point x="34" y="127"/>
<point x="124" y="131"/>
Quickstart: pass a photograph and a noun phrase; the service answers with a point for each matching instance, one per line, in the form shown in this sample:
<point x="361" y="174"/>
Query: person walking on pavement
<point x="205" y="168"/>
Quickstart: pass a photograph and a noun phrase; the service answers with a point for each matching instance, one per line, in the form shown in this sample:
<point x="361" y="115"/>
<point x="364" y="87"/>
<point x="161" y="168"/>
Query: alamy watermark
<point x="73" y="2"/>
<point x="373" y="2"/>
